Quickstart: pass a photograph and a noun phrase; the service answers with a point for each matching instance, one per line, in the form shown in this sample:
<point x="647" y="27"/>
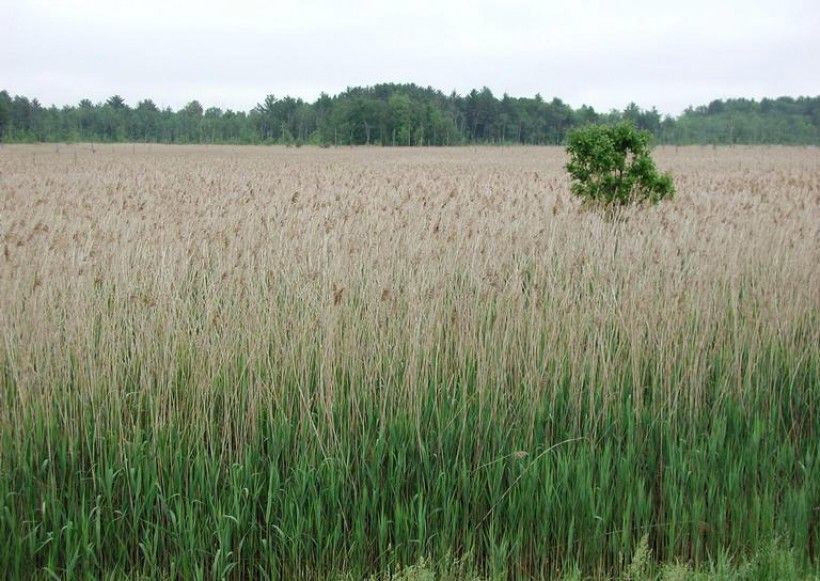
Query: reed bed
<point x="268" y="362"/>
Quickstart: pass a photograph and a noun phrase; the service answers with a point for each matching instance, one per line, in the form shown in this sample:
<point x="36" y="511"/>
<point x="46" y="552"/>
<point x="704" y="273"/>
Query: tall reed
<point x="251" y="362"/>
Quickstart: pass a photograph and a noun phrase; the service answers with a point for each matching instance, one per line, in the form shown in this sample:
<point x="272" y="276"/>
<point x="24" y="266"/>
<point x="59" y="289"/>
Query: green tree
<point x="401" y="113"/>
<point x="404" y="114"/>
<point x="5" y="112"/>
<point x="146" y="121"/>
<point x="116" y="102"/>
<point x="611" y="165"/>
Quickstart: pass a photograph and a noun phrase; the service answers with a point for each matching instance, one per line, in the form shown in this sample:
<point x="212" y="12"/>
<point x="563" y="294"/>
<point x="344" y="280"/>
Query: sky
<point x="231" y="54"/>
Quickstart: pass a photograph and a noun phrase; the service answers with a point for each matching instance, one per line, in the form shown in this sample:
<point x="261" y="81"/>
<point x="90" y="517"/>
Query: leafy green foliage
<point x="612" y="165"/>
<point x="401" y="114"/>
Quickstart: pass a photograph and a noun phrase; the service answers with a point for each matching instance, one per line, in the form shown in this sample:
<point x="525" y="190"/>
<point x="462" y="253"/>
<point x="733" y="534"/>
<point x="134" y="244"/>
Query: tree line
<point x="402" y="114"/>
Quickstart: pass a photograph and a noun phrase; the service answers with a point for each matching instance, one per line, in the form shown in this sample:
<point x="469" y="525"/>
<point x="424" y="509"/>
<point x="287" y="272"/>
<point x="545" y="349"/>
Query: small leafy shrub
<point x="611" y="165"/>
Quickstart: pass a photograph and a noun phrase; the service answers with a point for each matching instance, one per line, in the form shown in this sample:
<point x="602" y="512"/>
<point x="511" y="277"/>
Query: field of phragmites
<point x="253" y="362"/>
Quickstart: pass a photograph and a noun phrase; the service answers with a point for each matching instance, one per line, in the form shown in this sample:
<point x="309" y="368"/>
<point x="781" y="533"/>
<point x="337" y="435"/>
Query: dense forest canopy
<point x="401" y="114"/>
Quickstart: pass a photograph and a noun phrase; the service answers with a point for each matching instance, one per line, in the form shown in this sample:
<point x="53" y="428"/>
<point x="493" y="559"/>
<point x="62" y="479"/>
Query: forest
<point x="401" y="114"/>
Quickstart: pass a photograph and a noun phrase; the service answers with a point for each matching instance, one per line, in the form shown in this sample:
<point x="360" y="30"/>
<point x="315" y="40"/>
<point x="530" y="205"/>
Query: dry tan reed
<point x="366" y="255"/>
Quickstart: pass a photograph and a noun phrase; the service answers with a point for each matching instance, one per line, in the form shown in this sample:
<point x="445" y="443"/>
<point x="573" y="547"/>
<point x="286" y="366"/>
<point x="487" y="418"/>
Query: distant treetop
<point x="403" y="114"/>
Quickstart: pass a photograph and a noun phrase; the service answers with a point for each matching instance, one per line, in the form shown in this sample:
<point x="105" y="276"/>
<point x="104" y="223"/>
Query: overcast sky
<point x="231" y="54"/>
